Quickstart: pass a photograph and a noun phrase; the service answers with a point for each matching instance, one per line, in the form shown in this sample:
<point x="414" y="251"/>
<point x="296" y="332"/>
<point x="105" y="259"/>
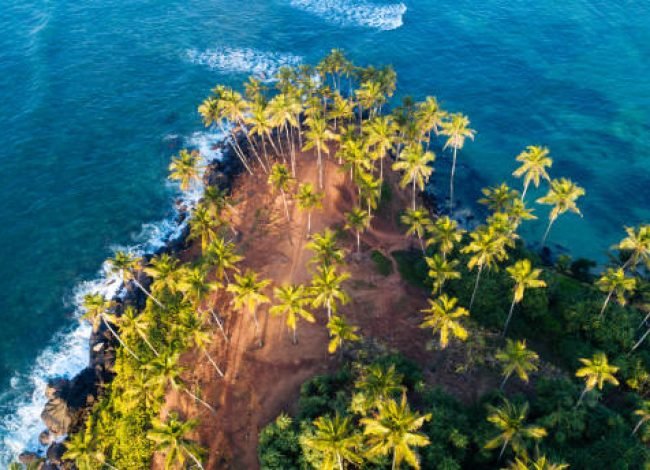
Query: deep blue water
<point x="97" y="95"/>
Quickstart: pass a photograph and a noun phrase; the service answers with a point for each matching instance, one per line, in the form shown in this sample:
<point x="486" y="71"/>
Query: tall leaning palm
<point x="457" y="130"/>
<point x="280" y="180"/>
<point x="248" y="294"/>
<point x="133" y="323"/>
<point x="516" y="358"/>
<point x="596" y="372"/>
<point x="417" y="222"/>
<point x="510" y="420"/>
<point x="562" y="195"/>
<point x="340" y="331"/>
<point x="441" y="270"/>
<point x="324" y="245"/>
<point x="170" y="438"/>
<point x="124" y="265"/>
<point x="443" y="316"/>
<point x="636" y="245"/>
<point x="203" y="226"/>
<point x="96" y="310"/>
<point x="524" y="277"/>
<point x="185" y="168"/>
<point x="614" y="282"/>
<point x="415" y="165"/>
<point x="335" y="439"/>
<point x="357" y="220"/>
<point x="534" y="162"/>
<point x="445" y="233"/>
<point x="291" y="301"/>
<point x="222" y="256"/>
<point x="309" y="200"/>
<point x="317" y="136"/>
<point x="394" y="429"/>
<point x="327" y="289"/>
<point x="643" y="412"/>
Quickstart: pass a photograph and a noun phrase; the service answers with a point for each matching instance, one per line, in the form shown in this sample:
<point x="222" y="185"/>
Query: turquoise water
<point x="97" y="95"/>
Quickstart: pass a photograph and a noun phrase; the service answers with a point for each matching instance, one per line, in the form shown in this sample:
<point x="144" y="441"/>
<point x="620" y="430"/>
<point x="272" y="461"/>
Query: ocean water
<point x="97" y="95"/>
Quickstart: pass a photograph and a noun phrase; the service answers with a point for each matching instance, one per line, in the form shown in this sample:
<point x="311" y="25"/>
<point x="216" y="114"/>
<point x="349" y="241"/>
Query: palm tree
<point x="292" y="301"/>
<point x="562" y="196"/>
<point x="643" y="412"/>
<point x="510" y="420"/>
<point x="615" y="282"/>
<point x="164" y="271"/>
<point x="341" y="110"/>
<point x="515" y="357"/>
<point x="198" y="335"/>
<point x="487" y="247"/>
<point x="202" y="226"/>
<point x="430" y="117"/>
<point x="457" y="130"/>
<point x="327" y="290"/>
<point x="165" y="370"/>
<point x="340" y="330"/>
<point x="596" y="372"/>
<point x="308" y="200"/>
<point x="369" y="189"/>
<point x="418" y="222"/>
<point x="445" y="233"/>
<point x="414" y="162"/>
<point x="260" y="125"/>
<point x="499" y="198"/>
<point x="247" y="294"/>
<point x="540" y="463"/>
<point x="96" y="310"/>
<point x="441" y="271"/>
<point x="637" y="244"/>
<point x="369" y="96"/>
<point x="335" y="439"/>
<point x="170" y="438"/>
<point x="124" y="264"/>
<point x="222" y="256"/>
<point x="534" y="162"/>
<point x="395" y="429"/>
<point x="524" y="277"/>
<point x="280" y="180"/>
<point x="376" y="384"/>
<point x="133" y="323"/>
<point x="380" y="135"/>
<point x="443" y="316"/>
<point x="327" y="252"/>
<point x="185" y="168"/>
<point x="81" y="447"/>
<point x="317" y="135"/>
<point x="357" y="220"/>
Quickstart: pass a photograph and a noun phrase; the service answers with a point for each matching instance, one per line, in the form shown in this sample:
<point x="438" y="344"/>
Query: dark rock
<point x="28" y="458"/>
<point x="68" y="400"/>
<point x="45" y="438"/>
<point x="49" y="466"/>
<point x="55" y="453"/>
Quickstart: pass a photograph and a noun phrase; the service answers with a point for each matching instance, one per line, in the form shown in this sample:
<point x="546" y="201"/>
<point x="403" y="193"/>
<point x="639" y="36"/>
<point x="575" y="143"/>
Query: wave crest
<point x="356" y="13"/>
<point x="243" y="60"/>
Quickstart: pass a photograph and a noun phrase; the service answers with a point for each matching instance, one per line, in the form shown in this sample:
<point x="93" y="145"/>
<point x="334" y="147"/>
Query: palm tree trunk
<point x="478" y="276"/>
<point x="219" y="323"/>
<point x="308" y="224"/>
<point x="451" y="182"/>
<point x="291" y="150"/>
<point x="214" y="364"/>
<point x="548" y="229"/>
<point x="413" y="193"/>
<point x="523" y="194"/>
<point x="503" y="383"/>
<point x="294" y="338"/>
<point x="609" y="296"/>
<point x="381" y="175"/>
<point x="275" y="148"/>
<point x="257" y="328"/>
<point x="320" y="168"/>
<point x="394" y="465"/>
<point x="503" y="449"/>
<point x="252" y="146"/>
<point x="582" y="395"/>
<point x="117" y="337"/>
<point x="193" y="457"/>
<point x="146" y="292"/>
<point x="329" y="310"/>
<point x="645" y="319"/>
<point x="358" y="242"/>
<point x="638" y="425"/>
<point x="339" y="460"/>
<point x="204" y="403"/>
<point x="647" y="332"/>
<point x="239" y="152"/>
<point x="286" y="206"/>
<point x="512" y="309"/>
<point x="144" y="338"/>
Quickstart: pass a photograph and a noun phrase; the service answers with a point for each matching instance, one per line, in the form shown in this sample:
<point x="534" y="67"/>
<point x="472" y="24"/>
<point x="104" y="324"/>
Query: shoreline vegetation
<point x="322" y="302"/>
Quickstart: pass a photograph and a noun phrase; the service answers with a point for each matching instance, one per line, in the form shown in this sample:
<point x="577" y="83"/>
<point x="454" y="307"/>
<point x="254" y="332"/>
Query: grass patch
<point x="412" y="267"/>
<point x="383" y="265"/>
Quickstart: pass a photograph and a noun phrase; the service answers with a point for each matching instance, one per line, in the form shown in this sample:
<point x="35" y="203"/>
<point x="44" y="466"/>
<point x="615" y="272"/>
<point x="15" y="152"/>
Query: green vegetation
<point x="382" y="263"/>
<point x="381" y="413"/>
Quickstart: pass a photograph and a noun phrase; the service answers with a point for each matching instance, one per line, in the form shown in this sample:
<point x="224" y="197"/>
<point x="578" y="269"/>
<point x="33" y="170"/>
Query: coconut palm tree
<point x="340" y="330"/>
<point x="291" y="302"/>
<point x="124" y="265"/>
<point x="357" y="220"/>
<point x="487" y="248"/>
<point x="445" y="233"/>
<point x="534" y="162"/>
<point x="133" y="323"/>
<point x="430" y="117"/>
<point x="524" y="277"/>
<point x="443" y="316"/>
<point x="637" y="244"/>
<point x="216" y="200"/>
<point x="81" y="447"/>
<point x="562" y="196"/>
<point x="317" y="136"/>
<point x="164" y="370"/>
<point x="222" y="256"/>
<point x="381" y="133"/>
<point x="170" y="438"/>
<point x="510" y="420"/>
<point x="308" y="200"/>
<point x="418" y="222"/>
<point x="185" y="168"/>
<point x="394" y="429"/>
<point x="248" y="295"/>
<point x="327" y="252"/>
<point x="341" y="110"/>
<point x="516" y="358"/>
<point x="164" y="271"/>
<point x="499" y="198"/>
<point x="540" y="463"/>
<point x="369" y="96"/>
<point x="280" y="180"/>
<point x="203" y="226"/>
<point x="643" y="412"/>
<point x="376" y="384"/>
<point x="96" y="308"/>
<point x="198" y="336"/>
<point x="415" y="164"/>
<point x="642" y="339"/>
<point x="336" y="440"/>
<point x="260" y="125"/>
<point x="615" y="282"/>
<point x="441" y="271"/>
<point x="327" y="290"/>
<point x="281" y="116"/>
<point x="369" y="190"/>
<point x="596" y="372"/>
<point x="457" y="130"/>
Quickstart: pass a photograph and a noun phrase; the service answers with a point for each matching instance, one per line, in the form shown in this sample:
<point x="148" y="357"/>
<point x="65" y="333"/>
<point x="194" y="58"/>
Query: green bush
<point x="383" y="265"/>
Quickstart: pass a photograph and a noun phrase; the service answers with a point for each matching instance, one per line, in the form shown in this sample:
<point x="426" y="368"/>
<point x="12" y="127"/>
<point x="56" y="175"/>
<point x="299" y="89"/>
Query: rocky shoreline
<point x="69" y="401"/>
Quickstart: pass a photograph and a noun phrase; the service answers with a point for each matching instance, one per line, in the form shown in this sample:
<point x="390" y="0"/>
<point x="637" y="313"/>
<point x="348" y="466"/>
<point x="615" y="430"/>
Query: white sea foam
<point x="68" y="352"/>
<point x="356" y="12"/>
<point x="262" y="64"/>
